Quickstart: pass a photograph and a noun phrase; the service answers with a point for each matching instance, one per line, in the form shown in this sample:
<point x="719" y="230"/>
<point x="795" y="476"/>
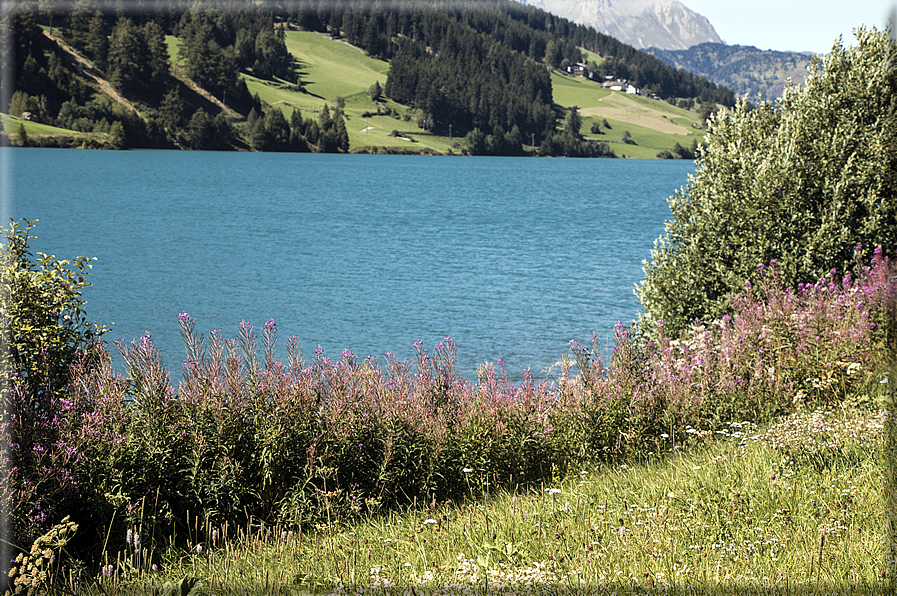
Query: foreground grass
<point x="796" y="506"/>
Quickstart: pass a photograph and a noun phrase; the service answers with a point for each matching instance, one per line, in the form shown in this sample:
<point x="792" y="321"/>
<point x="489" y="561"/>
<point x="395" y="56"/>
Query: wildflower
<point x="467" y="470"/>
<point x="271" y="324"/>
<point x="198" y="549"/>
<point x="553" y="491"/>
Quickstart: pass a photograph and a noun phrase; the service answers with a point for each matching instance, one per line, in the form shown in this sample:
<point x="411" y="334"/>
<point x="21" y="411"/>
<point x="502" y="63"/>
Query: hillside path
<point x="88" y="68"/>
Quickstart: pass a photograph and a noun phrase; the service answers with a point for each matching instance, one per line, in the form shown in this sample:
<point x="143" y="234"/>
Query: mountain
<point x="666" y="24"/>
<point x="744" y="69"/>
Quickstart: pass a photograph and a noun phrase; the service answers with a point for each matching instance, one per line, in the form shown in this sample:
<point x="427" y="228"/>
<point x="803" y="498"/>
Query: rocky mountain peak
<point x="665" y="24"/>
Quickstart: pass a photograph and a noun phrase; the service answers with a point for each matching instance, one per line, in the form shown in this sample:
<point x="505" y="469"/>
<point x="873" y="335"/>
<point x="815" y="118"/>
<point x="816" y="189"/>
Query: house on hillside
<point x="615" y="85"/>
<point x="578" y="70"/>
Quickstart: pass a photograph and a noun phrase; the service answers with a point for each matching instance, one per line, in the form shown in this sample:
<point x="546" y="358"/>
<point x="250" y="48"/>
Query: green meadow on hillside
<point x="330" y="68"/>
<point x="653" y="124"/>
<point x="40" y="134"/>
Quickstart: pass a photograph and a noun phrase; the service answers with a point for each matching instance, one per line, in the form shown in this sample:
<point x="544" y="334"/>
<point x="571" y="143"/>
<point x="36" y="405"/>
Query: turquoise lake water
<point x="512" y="258"/>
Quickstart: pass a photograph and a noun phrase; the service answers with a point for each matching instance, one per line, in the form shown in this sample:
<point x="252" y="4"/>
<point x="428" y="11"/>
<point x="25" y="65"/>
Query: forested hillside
<point x="747" y="70"/>
<point x="168" y="74"/>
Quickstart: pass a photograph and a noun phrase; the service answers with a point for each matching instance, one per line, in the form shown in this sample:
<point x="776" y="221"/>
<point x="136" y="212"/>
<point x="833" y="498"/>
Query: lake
<point x="511" y="257"/>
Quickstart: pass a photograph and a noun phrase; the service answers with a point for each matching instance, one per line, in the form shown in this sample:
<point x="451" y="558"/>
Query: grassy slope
<point x="654" y="125"/>
<point x="11" y="126"/>
<point x="765" y="510"/>
<point x="330" y="68"/>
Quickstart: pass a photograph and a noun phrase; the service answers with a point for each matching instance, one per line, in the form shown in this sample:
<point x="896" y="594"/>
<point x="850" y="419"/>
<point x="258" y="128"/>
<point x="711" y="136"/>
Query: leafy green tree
<point x="475" y="141"/>
<point x="375" y="91"/>
<point x="278" y="131"/>
<point x="573" y="124"/>
<point x="199" y="130"/>
<point x="707" y="111"/>
<point x="43" y="328"/>
<point x="803" y="181"/>
<point x="117" y="137"/>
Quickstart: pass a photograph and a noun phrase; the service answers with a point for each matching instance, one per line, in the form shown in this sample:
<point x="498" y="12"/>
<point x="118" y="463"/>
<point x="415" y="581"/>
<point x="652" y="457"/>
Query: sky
<point x="792" y="25"/>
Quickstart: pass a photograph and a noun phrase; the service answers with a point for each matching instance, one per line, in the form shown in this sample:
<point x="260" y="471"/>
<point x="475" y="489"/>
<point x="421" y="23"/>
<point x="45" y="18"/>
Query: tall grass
<point x="304" y="445"/>
<point x="791" y="507"/>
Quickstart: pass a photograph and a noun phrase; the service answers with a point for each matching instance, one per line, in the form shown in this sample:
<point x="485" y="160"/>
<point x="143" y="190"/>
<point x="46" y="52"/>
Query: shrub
<point x="801" y="181"/>
<point x="44" y="329"/>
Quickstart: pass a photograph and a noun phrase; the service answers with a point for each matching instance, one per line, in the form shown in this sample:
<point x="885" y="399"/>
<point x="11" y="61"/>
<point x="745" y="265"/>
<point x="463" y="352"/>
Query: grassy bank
<point x="792" y="507"/>
<point x="50" y="136"/>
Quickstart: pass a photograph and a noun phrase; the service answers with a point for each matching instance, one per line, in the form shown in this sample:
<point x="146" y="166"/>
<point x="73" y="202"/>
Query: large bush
<point x="43" y="328"/>
<point x="801" y="181"/>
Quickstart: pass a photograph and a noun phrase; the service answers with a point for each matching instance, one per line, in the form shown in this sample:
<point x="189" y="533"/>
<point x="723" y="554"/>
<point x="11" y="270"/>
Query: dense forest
<point x="482" y="68"/>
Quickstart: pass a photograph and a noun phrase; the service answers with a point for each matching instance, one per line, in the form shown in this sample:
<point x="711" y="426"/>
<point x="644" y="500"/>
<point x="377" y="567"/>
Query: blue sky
<point x="792" y="25"/>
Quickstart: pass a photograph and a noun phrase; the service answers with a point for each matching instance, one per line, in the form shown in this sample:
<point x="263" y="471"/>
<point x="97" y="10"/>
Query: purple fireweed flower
<point x="183" y="317"/>
<point x="271" y="324"/>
